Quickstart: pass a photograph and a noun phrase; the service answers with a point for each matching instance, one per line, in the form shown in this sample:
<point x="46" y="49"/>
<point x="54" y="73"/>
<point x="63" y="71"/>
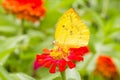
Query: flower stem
<point x="63" y="75"/>
<point x="22" y="27"/>
<point x="105" y="7"/>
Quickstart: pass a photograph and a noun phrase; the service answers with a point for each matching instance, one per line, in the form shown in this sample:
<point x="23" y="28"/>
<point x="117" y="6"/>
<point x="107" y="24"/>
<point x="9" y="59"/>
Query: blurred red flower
<point x="106" y="67"/>
<point x="60" y="58"/>
<point x="31" y="10"/>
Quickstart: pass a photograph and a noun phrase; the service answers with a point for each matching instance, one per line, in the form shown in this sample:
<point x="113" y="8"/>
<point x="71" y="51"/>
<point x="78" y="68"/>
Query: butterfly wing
<point x="71" y="31"/>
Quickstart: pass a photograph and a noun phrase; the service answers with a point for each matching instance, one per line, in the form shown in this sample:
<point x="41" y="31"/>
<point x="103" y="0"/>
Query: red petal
<point x="53" y="68"/>
<point x="71" y="64"/>
<point x="44" y="61"/>
<point x="36" y="65"/>
<point x="62" y="65"/>
<point x="48" y="64"/>
<point x="84" y="49"/>
<point x="80" y="58"/>
<point x="41" y="56"/>
<point x="76" y="58"/>
<point x="38" y="57"/>
<point x="79" y="51"/>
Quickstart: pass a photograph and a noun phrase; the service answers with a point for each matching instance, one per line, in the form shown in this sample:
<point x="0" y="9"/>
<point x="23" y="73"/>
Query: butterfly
<point x="71" y="32"/>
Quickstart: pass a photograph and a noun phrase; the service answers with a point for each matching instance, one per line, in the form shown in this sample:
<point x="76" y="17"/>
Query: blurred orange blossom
<point x="106" y="67"/>
<point x="31" y="10"/>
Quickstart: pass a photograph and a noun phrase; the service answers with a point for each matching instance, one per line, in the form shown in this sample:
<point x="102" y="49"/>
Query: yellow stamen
<point x="59" y="53"/>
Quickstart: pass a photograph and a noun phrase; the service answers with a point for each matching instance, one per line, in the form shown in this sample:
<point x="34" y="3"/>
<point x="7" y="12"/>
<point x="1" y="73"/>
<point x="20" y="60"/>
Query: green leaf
<point x="7" y="46"/>
<point x="72" y="74"/>
<point x="54" y="11"/>
<point x="4" y="75"/>
<point x="7" y="29"/>
<point x="21" y="76"/>
<point x="92" y="64"/>
<point x="84" y="64"/>
<point x="44" y="74"/>
<point x="95" y="77"/>
<point x="112" y="25"/>
<point x="117" y="63"/>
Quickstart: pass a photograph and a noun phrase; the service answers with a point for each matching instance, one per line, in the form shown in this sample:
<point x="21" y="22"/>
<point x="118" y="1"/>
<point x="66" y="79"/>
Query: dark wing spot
<point x="63" y="26"/>
<point x="71" y="32"/>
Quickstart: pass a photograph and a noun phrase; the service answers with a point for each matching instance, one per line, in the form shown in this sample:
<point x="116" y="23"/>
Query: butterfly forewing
<point x="71" y="31"/>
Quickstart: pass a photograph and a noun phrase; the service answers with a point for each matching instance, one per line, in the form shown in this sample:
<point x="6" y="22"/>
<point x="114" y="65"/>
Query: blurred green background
<point x="18" y="51"/>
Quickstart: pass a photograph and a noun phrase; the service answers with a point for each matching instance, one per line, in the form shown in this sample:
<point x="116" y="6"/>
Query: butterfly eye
<point x="54" y="42"/>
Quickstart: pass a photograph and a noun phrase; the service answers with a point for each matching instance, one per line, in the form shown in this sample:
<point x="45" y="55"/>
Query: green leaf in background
<point x="95" y="77"/>
<point x="7" y="29"/>
<point x="20" y="76"/>
<point x="112" y="25"/>
<point x="117" y="63"/>
<point x="54" y="12"/>
<point x="7" y="46"/>
<point x="72" y="74"/>
<point x="92" y="64"/>
<point x="4" y="75"/>
<point x="44" y="74"/>
<point x="81" y="66"/>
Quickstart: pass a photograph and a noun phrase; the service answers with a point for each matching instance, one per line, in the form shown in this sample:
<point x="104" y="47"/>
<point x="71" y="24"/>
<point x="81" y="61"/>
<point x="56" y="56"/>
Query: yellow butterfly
<point x="71" y="32"/>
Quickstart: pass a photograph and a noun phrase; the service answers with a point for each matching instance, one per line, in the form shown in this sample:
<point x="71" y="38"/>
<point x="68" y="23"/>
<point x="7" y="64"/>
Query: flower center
<point x="59" y="53"/>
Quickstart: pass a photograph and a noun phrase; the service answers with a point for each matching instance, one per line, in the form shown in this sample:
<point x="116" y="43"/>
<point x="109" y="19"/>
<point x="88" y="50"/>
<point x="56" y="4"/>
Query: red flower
<point x="30" y="10"/>
<point x="106" y="67"/>
<point x="60" y="58"/>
